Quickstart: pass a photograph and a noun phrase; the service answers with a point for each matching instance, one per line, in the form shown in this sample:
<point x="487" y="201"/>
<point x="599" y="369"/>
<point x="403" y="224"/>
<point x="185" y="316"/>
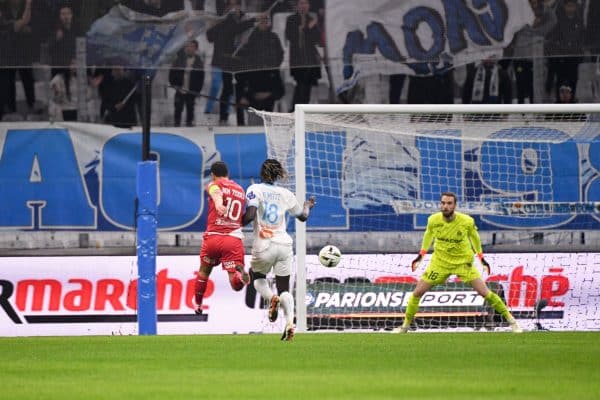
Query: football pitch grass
<point x="532" y="365"/>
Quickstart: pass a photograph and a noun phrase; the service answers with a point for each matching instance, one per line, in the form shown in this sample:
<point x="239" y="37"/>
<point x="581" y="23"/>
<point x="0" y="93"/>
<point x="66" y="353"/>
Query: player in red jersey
<point x="222" y="240"/>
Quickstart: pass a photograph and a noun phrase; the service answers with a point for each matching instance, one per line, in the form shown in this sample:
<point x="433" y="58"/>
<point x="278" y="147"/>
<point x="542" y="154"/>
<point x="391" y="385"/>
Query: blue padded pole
<point x="147" y="217"/>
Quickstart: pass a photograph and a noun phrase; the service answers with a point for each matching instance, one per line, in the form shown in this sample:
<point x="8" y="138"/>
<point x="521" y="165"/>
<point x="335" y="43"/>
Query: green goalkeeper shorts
<point x="437" y="272"/>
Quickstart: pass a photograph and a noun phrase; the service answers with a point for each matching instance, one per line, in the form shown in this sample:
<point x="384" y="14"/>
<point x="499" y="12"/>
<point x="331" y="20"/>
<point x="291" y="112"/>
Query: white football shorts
<point x="277" y="256"/>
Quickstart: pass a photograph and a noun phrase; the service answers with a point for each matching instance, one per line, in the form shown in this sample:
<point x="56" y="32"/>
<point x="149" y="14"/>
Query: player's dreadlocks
<point x="271" y="171"/>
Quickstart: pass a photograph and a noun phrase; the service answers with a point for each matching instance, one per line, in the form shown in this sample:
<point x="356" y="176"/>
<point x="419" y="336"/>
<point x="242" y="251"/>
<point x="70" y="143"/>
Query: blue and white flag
<point x="417" y="37"/>
<point x="134" y="40"/>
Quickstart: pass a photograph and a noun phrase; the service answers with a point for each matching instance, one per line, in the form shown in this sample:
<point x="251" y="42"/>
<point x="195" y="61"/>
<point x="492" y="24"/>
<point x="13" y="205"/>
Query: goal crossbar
<point x="448" y="108"/>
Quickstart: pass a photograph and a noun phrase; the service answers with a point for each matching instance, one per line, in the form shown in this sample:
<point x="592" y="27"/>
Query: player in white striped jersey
<point x="267" y="205"/>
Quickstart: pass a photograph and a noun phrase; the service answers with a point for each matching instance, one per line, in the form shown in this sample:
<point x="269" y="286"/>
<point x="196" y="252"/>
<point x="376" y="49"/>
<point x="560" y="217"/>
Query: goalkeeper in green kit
<point x="455" y="241"/>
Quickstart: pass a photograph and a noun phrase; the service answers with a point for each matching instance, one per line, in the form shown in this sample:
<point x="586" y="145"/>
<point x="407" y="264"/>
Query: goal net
<point x="528" y="174"/>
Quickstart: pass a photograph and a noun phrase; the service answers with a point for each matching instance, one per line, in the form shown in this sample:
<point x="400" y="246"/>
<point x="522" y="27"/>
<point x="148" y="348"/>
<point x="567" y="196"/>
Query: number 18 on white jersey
<point x="272" y="202"/>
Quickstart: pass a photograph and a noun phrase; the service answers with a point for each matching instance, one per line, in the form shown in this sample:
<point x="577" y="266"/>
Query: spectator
<point x="302" y="32"/>
<point x="523" y="48"/>
<point x="263" y="55"/>
<point x="436" y="89"/>
<point x="592" y="19"/>
<point x="564" y="47"/>
<point x="187" y="77"/>
<point x="317" y="8"/>
<point x="42" y="24"/>
<point x="100" y="79"/>
<point x="62" y="46"/>
<point x="63" y="102"/>
<point x="6" y="29"/>
<point x="565" y="94"/>
<point x="224" y="35"/>
<point x="396" y="86"/>
<point x="487" y="83"/>
<point x="18" y="12"/>
<point x="119" y="99"/>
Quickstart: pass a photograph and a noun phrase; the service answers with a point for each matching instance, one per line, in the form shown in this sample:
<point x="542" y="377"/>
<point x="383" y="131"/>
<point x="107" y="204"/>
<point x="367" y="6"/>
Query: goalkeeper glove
<point x="417" y="261"/>
<point x="484" y="263"/>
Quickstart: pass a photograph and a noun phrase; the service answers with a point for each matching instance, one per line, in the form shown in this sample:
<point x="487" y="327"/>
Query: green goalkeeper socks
<point x="496" y="302"/>
<point x="411" y="310"/>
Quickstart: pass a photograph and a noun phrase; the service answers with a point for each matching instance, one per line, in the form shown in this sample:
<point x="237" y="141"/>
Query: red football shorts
<point x="222" y="249"/>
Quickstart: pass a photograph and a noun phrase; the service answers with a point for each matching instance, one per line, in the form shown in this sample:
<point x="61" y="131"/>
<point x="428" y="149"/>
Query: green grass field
<point x="542" y="365"/>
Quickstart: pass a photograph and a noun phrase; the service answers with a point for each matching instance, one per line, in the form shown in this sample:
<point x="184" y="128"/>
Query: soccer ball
<point x="330" y="256"/>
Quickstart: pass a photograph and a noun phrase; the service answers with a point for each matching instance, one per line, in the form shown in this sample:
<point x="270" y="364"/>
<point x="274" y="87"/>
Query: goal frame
<point x="300" y="155"/>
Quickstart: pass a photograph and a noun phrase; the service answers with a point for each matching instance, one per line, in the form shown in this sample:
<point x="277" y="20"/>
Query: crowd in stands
<point x="244" y="62"/>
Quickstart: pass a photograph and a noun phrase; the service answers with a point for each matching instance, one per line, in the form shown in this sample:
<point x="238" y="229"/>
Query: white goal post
<point x="518" y="183"/>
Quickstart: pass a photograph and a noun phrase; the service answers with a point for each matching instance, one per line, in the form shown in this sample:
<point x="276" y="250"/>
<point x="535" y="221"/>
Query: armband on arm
<point x="217" y="196"/>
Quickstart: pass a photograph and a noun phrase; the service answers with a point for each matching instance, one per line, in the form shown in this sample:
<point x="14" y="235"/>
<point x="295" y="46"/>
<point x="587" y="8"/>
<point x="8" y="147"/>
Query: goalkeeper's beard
<point x="449" y="215"/>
